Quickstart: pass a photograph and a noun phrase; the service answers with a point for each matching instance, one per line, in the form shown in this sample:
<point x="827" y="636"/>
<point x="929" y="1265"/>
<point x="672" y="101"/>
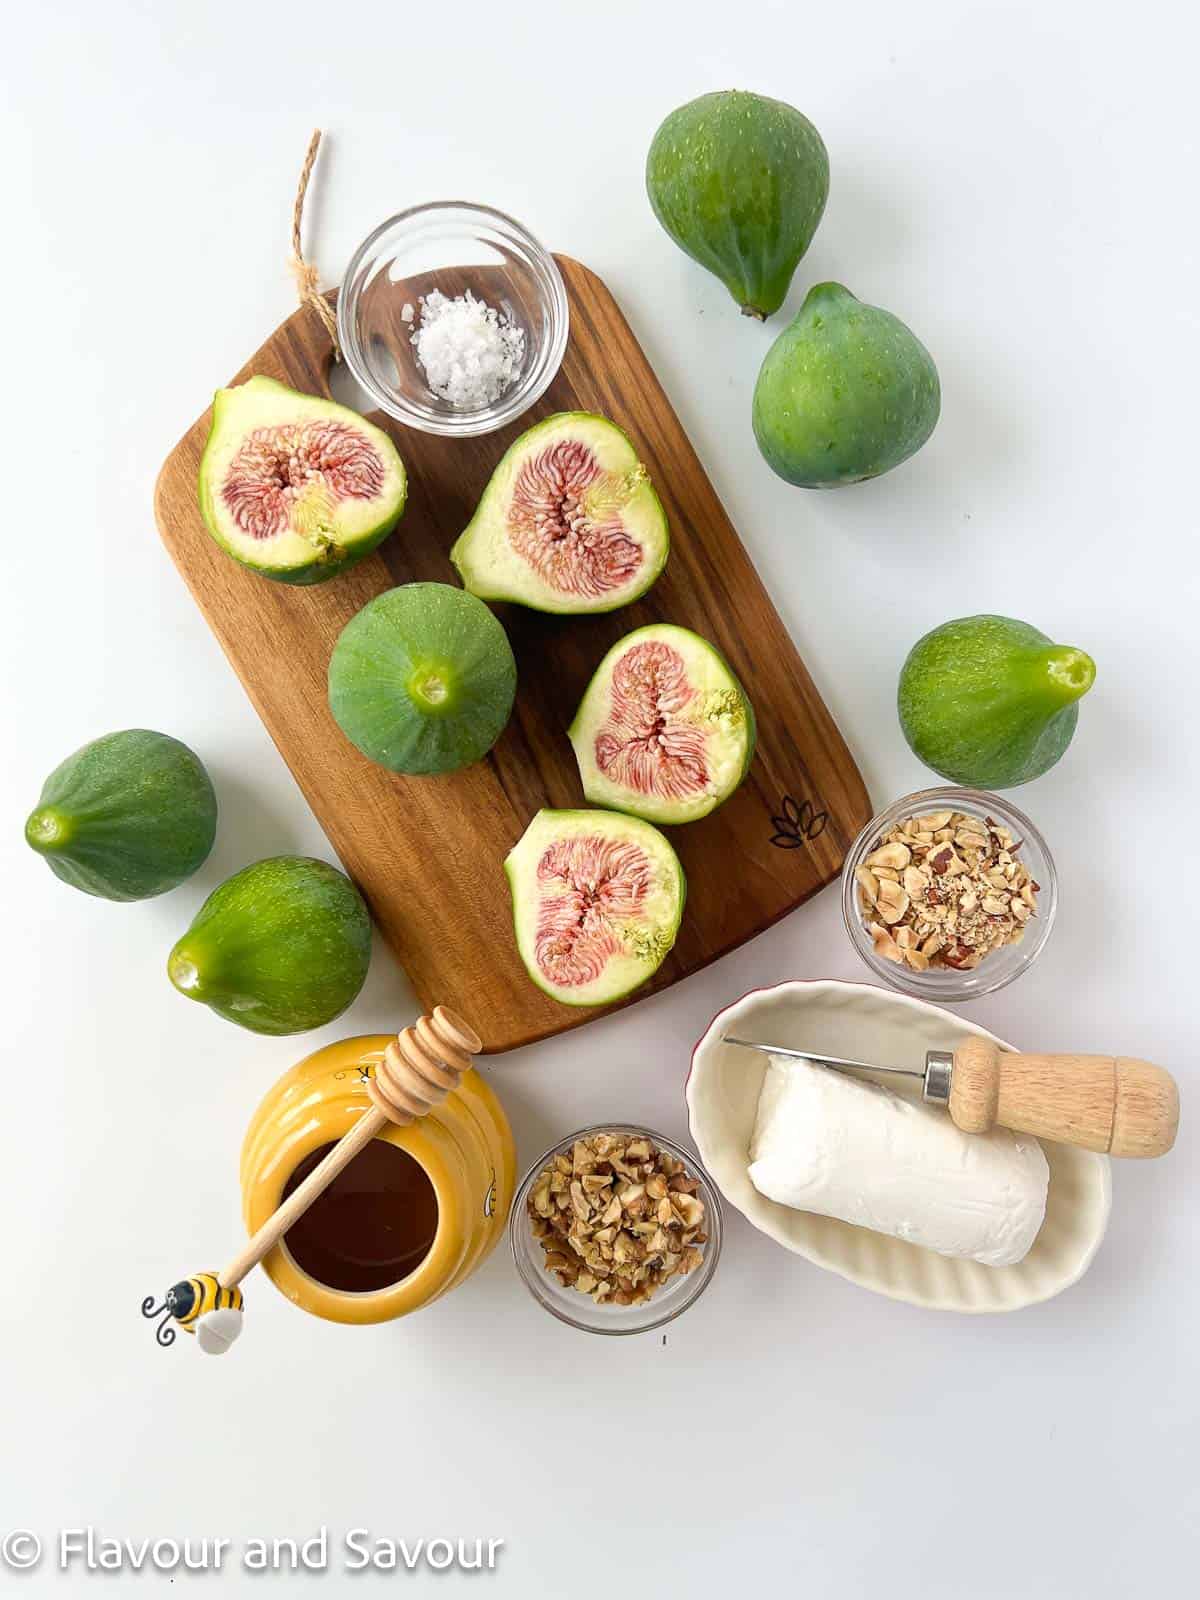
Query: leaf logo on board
<point x="797" y="824"/>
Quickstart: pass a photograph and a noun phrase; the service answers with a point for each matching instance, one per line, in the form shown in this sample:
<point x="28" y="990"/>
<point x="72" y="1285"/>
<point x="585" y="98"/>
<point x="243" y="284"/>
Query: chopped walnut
<point x="617" y="1218"/>
<point x="945" y="890"/>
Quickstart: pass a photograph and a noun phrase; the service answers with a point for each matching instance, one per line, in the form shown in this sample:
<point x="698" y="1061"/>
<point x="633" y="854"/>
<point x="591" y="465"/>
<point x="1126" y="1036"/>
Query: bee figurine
<point x="200" y="1305"/>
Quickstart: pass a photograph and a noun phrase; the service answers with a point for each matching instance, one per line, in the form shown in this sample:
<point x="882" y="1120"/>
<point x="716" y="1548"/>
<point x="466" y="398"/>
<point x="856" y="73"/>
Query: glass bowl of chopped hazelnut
<point x="616" y="1230"/>
<point x="453" y="318"/>
<point x="949" y="894"/>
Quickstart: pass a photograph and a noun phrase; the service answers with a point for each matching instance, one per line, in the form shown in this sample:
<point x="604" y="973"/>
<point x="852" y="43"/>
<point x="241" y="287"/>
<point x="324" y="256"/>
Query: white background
<point x="1018" y="183"/>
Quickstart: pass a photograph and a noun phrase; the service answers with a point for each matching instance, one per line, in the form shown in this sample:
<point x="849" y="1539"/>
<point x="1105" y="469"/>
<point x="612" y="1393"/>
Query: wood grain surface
<point x="428" y="852"/>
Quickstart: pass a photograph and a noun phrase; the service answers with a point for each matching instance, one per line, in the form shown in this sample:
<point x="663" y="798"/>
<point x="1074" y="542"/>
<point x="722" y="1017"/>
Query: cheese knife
<point x="1114" y="1104"/>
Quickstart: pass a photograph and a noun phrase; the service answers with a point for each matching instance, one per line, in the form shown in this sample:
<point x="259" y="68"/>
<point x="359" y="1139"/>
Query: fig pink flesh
<point x="276" y="465"/>
<point x="604" y="879"/>
<point x="550" y="528"/>
<point x="644" y="746"/>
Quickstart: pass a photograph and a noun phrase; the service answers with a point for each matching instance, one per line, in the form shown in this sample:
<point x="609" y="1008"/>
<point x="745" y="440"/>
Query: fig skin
<point x="740" y="183"/>
<point x="422" y="679"/>
<point x="281" y="947"/>
<point x="128" y="817"/>
<point x="990" y="702"/>
<point x="846" y="393"/>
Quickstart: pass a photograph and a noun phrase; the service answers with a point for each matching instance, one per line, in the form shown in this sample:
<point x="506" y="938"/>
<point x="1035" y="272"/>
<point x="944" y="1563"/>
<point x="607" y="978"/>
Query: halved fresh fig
<point x="569" y="522"/>
<point x="597" y="900"/>
<point x="664" y="731"/>
<point x="297" y="487"/>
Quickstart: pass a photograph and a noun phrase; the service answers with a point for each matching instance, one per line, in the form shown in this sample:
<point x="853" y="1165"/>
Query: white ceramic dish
<point x="870" y="1024"/>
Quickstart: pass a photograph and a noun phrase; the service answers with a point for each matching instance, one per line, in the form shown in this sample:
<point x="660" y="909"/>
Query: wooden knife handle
<point x="1115" y="1104"/>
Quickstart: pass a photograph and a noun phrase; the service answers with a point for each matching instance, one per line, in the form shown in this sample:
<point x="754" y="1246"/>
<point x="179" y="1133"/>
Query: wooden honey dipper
<point x="420" y="1067"/>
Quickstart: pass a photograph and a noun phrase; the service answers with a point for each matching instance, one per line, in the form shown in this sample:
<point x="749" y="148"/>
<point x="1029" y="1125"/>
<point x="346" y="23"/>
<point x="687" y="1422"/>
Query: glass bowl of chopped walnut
<point x="949" y="894"/>
<point x="616" y="1230"/>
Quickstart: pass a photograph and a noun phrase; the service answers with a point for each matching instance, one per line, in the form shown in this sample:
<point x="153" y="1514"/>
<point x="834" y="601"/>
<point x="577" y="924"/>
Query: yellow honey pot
<point x="454" y="1170"/>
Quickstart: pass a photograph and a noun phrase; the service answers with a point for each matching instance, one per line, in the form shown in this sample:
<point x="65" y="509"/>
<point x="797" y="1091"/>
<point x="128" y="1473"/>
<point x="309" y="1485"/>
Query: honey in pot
<point x="410" y="1216"/>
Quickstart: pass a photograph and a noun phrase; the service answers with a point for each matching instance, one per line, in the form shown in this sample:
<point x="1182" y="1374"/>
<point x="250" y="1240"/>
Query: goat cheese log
<point x="846" y="1148"/>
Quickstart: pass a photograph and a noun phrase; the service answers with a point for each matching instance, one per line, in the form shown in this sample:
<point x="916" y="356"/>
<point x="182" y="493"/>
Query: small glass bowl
<point x="452" y="246"/>
<point x="580" y="1310"/>
<point x="943" y="984"/>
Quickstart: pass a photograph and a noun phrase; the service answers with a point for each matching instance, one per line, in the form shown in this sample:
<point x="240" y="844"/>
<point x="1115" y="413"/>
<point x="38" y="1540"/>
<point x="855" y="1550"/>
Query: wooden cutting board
<point x="428" y="852"/>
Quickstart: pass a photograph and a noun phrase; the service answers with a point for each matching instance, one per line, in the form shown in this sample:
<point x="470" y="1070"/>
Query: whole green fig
<point x="740" y="182"/>
<point x="991" y="702"/>
<point x="281" y="947"/>
<point x="846" y="392"/>
<point x="129" y="816"/>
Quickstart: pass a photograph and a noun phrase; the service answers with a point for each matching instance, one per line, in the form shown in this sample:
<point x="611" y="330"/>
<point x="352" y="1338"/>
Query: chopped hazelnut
<point x="944" y="890"/>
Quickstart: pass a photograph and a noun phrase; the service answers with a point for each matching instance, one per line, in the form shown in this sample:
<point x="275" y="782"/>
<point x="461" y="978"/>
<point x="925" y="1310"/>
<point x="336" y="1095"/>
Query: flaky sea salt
<point x="469" y="352"/>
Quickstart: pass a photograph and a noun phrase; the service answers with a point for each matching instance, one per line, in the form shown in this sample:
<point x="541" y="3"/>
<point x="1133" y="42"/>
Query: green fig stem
<point x="431" y="688"/>
<point x="185" y="974"/>
<point x="49" y="830"/>
<point x="753" y="311"/>
<point x="1070" y="673"/>
<point x="828" y="291"/>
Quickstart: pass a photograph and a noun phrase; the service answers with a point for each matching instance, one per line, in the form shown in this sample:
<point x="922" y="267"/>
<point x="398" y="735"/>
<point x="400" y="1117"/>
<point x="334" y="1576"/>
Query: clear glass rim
<point x="518" y="399"/>
<point x="694" y="1285"/>
<point x="942" y="987"/>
